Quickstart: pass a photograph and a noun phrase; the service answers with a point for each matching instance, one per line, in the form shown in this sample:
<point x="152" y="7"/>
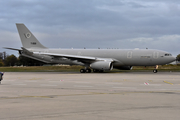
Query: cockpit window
<point x="167" y="54"/>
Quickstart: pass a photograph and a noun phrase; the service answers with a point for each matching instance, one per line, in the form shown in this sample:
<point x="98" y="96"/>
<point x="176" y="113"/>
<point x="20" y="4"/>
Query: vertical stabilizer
<point x="27" y="38"/>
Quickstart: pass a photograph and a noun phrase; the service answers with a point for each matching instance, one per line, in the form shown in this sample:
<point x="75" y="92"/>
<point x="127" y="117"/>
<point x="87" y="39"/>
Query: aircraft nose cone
<point x="173" y="58"/>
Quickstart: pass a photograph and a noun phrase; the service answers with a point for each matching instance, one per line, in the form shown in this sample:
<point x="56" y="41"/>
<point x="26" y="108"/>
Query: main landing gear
<point x="85" y="70"/>
<point x="89" y="71"/>
<point x="155" y="70"/>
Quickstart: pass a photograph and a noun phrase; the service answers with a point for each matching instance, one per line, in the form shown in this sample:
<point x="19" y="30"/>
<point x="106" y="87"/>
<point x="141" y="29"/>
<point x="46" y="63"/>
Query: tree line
<point x="178" y="58"/>
<point x="12" y="60"/>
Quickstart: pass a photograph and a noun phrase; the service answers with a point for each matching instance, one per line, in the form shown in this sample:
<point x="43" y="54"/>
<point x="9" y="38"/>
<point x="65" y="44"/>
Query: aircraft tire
<point x="155" y="71"/>
<point x="95" y="71"/>
<point x="88" y="70"/>
<point x="101" y="71"/>
<point x="82" y="70"/>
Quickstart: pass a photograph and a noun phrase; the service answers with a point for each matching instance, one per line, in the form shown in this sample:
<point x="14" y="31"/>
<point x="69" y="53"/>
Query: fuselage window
<point x="168" y="54"/>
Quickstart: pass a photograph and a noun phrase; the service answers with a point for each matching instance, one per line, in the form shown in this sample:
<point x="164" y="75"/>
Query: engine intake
<point x="102" y="65"/>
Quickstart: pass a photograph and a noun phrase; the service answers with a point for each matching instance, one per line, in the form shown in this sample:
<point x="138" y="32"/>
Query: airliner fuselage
<point x="96" y="59"/>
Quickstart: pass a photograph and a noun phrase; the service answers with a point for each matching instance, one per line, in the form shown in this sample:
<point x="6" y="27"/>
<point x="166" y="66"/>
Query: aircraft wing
<point x="84" y="59"/>
<point x="22" y="49"/>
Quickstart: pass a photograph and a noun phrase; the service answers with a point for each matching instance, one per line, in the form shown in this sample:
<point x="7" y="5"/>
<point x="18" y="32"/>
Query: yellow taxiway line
<point x="168" y="82"/>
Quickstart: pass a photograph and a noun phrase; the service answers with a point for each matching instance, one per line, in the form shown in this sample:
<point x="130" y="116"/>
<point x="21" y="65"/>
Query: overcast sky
<point x="123" y="24"/>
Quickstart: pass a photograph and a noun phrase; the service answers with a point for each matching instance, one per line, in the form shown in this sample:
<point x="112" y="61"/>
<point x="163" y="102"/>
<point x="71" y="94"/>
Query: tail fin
<point x="27" y="38"/>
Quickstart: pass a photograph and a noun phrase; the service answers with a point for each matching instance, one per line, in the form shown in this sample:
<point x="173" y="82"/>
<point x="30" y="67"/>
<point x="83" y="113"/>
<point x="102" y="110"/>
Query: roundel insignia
<point x="28" y="35"/>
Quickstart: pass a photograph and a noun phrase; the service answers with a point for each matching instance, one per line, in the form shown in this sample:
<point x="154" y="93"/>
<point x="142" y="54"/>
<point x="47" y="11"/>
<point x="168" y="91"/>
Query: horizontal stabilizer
<point x="12" y="48"/>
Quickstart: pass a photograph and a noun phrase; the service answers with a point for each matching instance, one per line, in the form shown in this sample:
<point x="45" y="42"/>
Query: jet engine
<point x="102" y="65"/>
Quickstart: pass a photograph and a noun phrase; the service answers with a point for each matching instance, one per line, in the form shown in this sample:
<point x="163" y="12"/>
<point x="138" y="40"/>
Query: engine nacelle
<point x="102" y="65"/>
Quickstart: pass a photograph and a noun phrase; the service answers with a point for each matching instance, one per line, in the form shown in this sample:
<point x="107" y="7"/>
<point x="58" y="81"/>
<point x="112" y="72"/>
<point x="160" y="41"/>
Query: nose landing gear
<point x="155" y="70"/>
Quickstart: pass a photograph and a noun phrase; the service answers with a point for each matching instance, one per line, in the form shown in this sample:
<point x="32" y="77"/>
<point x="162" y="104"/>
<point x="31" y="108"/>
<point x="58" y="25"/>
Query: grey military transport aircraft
<point x="97" y="59"/>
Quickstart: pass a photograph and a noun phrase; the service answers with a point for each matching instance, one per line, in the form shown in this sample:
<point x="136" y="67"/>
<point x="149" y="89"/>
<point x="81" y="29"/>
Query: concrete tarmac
<point x="90" y="96"/>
